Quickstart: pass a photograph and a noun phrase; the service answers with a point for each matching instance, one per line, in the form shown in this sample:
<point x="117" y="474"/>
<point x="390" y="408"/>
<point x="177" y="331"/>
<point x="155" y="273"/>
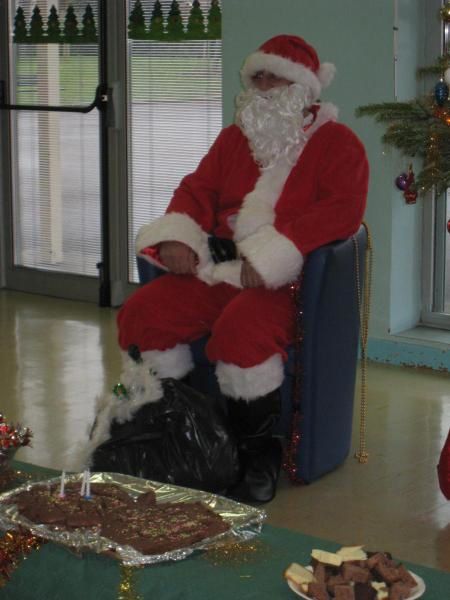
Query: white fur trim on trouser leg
<point x="175" y="362"/>
<point x="142" y="387"/>
<point x="253" y="382"/>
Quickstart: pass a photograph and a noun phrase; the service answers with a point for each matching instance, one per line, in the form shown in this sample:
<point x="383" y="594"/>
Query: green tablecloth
<point x="56" y="573"/>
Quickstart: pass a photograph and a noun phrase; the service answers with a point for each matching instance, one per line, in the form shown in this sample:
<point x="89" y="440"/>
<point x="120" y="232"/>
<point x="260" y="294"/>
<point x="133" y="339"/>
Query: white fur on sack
<point x="143" y="387"/>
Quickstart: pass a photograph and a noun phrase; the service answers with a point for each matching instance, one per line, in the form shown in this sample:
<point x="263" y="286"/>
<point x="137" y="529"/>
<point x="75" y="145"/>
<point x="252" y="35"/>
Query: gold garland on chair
<point x="363" y="296"/>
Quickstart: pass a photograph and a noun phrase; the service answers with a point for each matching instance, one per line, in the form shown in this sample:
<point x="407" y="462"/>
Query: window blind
<point x="56" y="196"/>
<point x="174" y="114"/>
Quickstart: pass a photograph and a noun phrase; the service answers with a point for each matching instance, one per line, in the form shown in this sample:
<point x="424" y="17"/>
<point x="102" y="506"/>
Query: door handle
<point x="100" y="101"/>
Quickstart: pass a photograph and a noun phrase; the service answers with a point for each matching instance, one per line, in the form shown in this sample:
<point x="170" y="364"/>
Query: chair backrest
<point x="329" y="330"/>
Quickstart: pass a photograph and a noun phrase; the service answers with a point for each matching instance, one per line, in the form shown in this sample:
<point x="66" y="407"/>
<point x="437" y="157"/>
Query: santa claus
<point x="283" y="180"/>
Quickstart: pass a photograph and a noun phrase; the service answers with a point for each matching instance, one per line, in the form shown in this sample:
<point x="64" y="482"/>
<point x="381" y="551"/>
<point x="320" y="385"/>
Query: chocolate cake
<point x="164" y="527"/>
<point x="148" y="527"/>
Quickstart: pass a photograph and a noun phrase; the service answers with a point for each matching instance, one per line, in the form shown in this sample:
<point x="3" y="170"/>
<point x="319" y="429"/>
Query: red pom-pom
<point x="444" y="469"/>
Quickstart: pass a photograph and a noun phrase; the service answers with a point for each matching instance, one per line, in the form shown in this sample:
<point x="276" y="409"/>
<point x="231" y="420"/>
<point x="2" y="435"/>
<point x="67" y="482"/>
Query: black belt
<point x="222" y="249"/>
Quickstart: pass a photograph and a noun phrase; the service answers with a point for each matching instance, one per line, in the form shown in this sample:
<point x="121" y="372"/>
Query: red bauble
<point x="444" y="469"/>
<point x="410" y="196"/>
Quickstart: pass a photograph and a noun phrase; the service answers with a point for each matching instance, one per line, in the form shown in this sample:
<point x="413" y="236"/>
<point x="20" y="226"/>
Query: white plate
<point x="417" y="592"/>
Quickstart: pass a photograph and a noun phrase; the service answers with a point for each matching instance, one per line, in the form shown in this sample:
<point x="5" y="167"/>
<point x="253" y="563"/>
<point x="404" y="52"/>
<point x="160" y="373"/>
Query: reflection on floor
<point x="57" y="356"/>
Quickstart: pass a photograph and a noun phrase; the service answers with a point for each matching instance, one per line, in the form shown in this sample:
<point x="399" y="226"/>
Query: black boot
<point x="260" y="454"/>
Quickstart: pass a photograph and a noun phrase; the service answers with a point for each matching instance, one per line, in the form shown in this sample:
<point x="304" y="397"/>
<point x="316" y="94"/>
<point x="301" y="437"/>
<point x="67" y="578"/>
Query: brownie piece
<point x="377" y="557"/>
<point x="364" y="591"/>
<point x="406" y="577"/>
<point x="333" y="581"/>
<point x="387" y="573"/>
<point x="344" y="592"/>
<point x="318" y="591"/>
<point x="111" y="490"/>
<point x="146" y="499"/>
<point x="320" y="572"/>
<point x="400" y="591"/>
<point x="352" y="572"/>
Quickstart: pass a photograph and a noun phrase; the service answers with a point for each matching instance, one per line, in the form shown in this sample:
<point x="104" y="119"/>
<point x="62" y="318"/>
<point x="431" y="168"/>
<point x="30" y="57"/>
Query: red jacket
<point x="276" y="216"/>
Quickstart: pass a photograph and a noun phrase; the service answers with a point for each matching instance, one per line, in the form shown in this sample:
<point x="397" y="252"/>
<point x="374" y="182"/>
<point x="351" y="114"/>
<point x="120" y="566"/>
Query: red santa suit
<point x="276" y="216"/>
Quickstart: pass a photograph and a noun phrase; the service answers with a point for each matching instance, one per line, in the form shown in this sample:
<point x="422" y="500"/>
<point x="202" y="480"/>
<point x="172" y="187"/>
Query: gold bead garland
<point x="363" y="297"/>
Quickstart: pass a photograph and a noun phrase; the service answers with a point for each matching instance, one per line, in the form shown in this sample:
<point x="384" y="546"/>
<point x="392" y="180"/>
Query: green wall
<point x="358" y="37"/>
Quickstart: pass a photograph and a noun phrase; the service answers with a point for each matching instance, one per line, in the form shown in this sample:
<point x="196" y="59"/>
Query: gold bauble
<point x="445" y="12"/>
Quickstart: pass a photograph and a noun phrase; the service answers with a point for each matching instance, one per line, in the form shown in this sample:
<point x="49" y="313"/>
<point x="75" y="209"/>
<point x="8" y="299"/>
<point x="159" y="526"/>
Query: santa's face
<point x="272" y="120"/>
<point x="265" y="80"/>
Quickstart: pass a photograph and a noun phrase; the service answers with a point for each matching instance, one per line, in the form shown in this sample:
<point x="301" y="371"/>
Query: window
<point x="55" y="155"/>
<point x="174" y="101"/>
<point x="436" y="256"/>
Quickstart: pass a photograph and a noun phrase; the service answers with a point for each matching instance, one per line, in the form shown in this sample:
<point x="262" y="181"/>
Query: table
<point x="55" y="573"/>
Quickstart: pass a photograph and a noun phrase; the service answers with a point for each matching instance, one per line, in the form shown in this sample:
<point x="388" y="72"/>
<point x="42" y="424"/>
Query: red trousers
<point x="246" y="327"/>
<point x="444" y="468"/>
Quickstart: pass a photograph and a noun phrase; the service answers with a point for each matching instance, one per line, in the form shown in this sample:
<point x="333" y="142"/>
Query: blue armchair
<point x="325" y="361"/>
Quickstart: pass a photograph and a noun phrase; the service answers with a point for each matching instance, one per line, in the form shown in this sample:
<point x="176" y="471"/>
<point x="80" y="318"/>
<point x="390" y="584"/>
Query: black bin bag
<point x="183" y="439"/>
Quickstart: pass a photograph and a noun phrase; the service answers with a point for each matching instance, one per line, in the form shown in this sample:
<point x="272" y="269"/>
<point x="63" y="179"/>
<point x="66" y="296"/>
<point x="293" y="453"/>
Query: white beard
<point x="272" y="121"/>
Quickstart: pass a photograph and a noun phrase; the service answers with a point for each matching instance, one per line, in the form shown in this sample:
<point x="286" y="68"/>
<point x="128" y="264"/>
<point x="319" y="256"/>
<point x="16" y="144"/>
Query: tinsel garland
<point x="127" y="585"/>
<point x="10" y="478"/>
<point x="235" y="554"/>
<point x="14" y="547"/>
<point x="291" y="452"/>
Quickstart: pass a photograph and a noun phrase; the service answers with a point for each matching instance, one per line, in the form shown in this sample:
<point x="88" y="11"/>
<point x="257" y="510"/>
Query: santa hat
<point x="292" y="58"/>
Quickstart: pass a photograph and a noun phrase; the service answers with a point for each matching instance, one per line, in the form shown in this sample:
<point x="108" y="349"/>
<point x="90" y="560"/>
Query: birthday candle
<point x="83" y="484"/>
<point x="88" y="484"/>
<point x="61" y="488"/>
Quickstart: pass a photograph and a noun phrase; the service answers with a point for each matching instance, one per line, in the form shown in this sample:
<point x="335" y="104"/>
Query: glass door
<point x="55" y="97"/>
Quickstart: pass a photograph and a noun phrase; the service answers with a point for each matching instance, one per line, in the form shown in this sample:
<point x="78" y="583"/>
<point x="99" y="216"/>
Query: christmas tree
<point x="70" y="26"/>
<point x="36" y="26"/>
<point x="53" y="28"/>
<point x="88" y="29"/>
<point x="214" y="27"/>
<point x="421" y="127"/>
<point x="136" y="23"/>
<point x="195" y="26"/>
<point x="175" y="31"/>
<point x="156" y="31"/>
<point x="20" y="27"/>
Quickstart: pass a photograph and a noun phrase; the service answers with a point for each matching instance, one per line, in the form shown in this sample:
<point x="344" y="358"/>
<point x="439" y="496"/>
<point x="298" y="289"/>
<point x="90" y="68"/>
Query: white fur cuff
<point x="273" y="256"/>
<point x="251" y="383"/>
<point x="177" y="227"/>
<point x="175" y="362"/>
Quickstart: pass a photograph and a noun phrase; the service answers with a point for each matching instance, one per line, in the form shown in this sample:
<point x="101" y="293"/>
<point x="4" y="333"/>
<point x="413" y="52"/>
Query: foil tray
<point x="245" y="521"/>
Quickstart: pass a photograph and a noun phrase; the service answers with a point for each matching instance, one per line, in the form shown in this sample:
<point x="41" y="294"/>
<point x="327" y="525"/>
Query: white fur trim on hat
<point x="288" y="69"/>
<point x="273" y="255"/>
<point x="253" y="382"/>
